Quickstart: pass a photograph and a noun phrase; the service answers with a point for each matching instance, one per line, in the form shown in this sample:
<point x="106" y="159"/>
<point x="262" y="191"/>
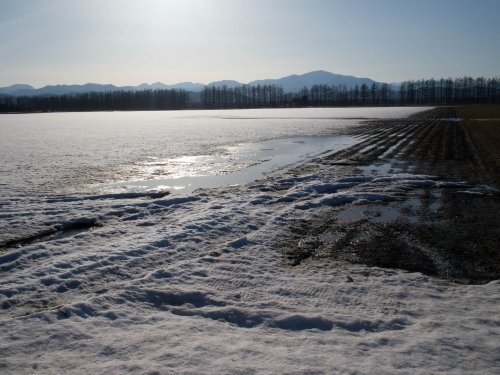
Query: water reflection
<point x="233" y="165"/>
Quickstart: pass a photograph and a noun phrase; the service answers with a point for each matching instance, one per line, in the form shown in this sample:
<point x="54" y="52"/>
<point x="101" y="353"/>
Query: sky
<point x="126" y="42"/>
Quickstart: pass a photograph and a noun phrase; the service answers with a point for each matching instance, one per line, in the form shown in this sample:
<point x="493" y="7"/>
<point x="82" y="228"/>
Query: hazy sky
<point x="129" y="42"/>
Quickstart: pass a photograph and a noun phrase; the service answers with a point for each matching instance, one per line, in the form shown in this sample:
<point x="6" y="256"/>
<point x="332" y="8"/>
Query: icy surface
<point x="194" y="284"/>
<point x="239" y="164"/>
<point x="64" y="152"/>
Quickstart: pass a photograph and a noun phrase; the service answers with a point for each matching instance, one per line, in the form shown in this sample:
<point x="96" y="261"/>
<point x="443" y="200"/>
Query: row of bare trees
<point x="449" y="91"/>
<point x="466" y="90"/>
<point x="97" y="101"/>
<point x="245" y="96"/>
<point x="258" y="96"/>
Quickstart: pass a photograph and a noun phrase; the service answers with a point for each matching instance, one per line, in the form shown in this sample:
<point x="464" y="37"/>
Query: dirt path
<point x="451" y="233"/>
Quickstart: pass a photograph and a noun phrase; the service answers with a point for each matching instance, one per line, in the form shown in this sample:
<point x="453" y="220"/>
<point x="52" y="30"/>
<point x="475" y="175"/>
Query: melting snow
<point x="130" y="280"/>
<point x="192" y="284"/>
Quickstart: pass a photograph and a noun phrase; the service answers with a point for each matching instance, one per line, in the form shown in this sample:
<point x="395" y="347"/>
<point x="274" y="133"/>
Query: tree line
<point x="465" y="90"/>
<point x="449" y="91"/>
<point x="98" y="101"/>
<point x="317" y="96"/>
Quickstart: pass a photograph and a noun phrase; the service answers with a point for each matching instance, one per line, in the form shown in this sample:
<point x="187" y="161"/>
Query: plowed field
<point x="451" y="231"/>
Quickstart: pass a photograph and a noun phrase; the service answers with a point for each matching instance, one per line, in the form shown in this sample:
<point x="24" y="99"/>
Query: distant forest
<point x="97" y="101"/>
<point x="464" y="90"/>
<point x="423" y="92"/>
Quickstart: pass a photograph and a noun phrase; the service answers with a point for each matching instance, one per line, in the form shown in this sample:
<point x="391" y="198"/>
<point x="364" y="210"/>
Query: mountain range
<point x="292" y="83"/>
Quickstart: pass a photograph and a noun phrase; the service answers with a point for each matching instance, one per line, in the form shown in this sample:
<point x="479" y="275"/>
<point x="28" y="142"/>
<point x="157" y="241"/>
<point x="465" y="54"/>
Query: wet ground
<point x="450" y="232"/>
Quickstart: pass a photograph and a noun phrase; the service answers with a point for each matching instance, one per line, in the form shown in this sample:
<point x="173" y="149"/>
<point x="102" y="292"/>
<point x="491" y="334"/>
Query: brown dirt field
<point x="459" y="240"/>
<point x="482" y="124"/>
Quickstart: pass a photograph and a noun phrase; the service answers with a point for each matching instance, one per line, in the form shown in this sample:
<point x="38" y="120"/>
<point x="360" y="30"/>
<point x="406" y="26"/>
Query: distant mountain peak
<point x="294" y="82"/>
<point x="227" y="82"/>
<point x="20" y="86"/>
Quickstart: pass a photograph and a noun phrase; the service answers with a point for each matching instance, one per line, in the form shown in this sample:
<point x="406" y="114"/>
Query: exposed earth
<point x="451" y="231"/>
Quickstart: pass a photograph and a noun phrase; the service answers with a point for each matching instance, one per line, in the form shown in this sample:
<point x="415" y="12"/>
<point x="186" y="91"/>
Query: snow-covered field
<point x="194" y="283"/>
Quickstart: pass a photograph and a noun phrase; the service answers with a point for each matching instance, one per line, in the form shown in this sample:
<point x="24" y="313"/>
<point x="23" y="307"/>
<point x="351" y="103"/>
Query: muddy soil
<point x="451" y="233"/>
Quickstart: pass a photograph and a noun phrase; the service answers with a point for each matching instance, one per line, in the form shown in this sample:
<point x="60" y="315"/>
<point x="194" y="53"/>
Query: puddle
<point x="234" y="165"/>
<point x="435" y="203"/>
<point x="353" y="213"/>
<point x="406" y="211"/>
<point x="330" y="238"/>
<point x="412" y="205"/>
<point x="433" y="207"/>
<point x="377" y="169"/>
